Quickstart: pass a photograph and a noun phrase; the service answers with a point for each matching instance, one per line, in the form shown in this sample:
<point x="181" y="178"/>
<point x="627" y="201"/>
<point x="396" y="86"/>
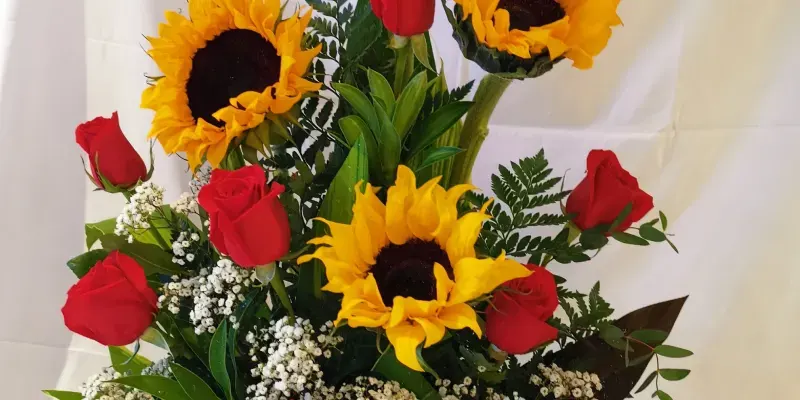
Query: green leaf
<point x="381" y="90"/>
<point x="392" y="369"/>
<point x="664" y="221"/>
<point x="217" y="360"/>
<point x="159" y="386"/>
<point x="437" y="124"/>
<point x="650" y="336"/>
<point x="662" y="395"/>
<point x="409" y="104"/>
<point x="613" y="336"/>
<point x="592" y="239"/>
<point x="621" y="217"/>
<point x="673" y="246"/>
<point x="152" y="258"/>
<point x="647" y="381"/>
<point x="359" y="102"/>
<point x="338" y="203"/>
<point x="81" y="264"/>
<point x="388" y="143"/>
<point x="124" y="361"/>
<point x="652" y="234"/>
<point x="673" y="374"/>
<point x="94" y="231"/>
<point x="438" y="154"/>
<point x="672" y="351"/>
<point x="424" y="364"/>
<point x="628" y="238"/>
<point x="63" y="395"/>
<point x="154" y="337"/>
<point x="193" y="385"/>
<point x="420" y="47"/>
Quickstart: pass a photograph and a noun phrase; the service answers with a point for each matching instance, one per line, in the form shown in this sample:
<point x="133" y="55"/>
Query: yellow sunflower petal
<point x="405" y="308"/>
<point x="398" y="201"/>
<point x="434" y="330"/>
<point x="474" y="277"/>
<point x="443" y="283"/>
<point x="423" y="217"/>
<point x="406" y="338"/>
<point x="465" y="233"/>
<point x="460" y="316"/>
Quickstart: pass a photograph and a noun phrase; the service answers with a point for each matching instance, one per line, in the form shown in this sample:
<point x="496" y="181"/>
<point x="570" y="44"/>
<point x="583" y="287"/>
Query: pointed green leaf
<point x="381" y="90"/>
<point x="124" y="361"/>
<point x="95" y="230"/>
<point x="650" y="336"/>
<point x="81" y="264"/>
<point x="409" y="104"/>
<point x="592" y="239"/>
<point x="673" y="246"/>
<point x="672" y="351"/>
<point x="192" y="385"/>
<point x="217" y="360"/>
<point x="338" y="203"/>
<point x="388" y="144"/>
<point x="438" y="154"/>
<point x="673" y="374"/>
<point x="647" y="381"/>
<point x="652" y="234"/>
<point x="359" y="102"/>
<point x="628" y="238"/>
<point x="621" y="217"/>
<point x="159" y="386"/>
<point x="420" y="47"/>
<point x="663" y="219"/>
<point x="437" y="124"/>
<point x="662" y="395"/>
<point x="353" y="127"/>
<point x="63" y="395"/>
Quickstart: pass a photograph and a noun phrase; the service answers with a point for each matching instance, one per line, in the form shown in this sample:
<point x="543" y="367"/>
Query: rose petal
<point x="513" y="329"/>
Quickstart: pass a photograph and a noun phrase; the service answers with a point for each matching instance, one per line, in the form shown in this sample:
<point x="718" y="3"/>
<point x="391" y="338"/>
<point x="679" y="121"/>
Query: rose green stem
<point x="476" y="126"/>
<point x="280" y="289"/>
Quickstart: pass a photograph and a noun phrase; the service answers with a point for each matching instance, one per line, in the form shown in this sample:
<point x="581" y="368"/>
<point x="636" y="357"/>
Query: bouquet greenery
<point x="331" y="244"/>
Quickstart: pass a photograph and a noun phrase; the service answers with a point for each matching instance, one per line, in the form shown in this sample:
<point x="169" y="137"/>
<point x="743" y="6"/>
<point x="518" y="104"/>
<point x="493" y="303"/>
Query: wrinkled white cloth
<point x="698" y="99"/>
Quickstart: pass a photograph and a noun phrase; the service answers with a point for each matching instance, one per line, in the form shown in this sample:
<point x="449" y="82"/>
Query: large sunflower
<point x="229" y="65"/>
<point x="409" y="266"/>
<point x="577" y="29"/>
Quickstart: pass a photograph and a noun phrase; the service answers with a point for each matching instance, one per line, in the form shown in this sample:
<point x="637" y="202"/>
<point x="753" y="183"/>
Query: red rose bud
<point x="405" y="17"/>
<point x="605" y="192"/>
<point x="110" y="153"/>
<point x="111" y="304"/>
<point x="516" y="319"/>
<point x="248" y="222"/>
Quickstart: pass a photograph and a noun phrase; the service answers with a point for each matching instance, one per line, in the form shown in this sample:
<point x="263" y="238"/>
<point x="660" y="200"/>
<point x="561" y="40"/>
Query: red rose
<point x="516" y="319"/>
<point x="110" y="153"/>
<point x="605" y="192"/>
<point x="405" y="17"/>
<point x="248" y="222"/>
<point x="111" y="304"/>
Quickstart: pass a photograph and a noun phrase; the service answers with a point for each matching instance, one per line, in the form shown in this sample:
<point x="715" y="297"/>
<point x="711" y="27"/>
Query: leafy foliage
<point x="519" y="191"/>
<point x="586" y="314"/>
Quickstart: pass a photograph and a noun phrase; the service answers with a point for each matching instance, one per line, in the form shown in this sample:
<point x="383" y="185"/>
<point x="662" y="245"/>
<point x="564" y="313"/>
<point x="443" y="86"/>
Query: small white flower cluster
<point x="159" y="368"/>
<point x="366" y="388"/>
<point x="566" y="384"/>
<point x="466" y="389"/>
<point x="180" y="252"/>
<point x="186" y="204"/>
<point x="200" y="179"/>
<point x="142" y="204"/>
<point x="291" y="352"/>
<point x="97" y="387"/>
<point x="212" y="294"/>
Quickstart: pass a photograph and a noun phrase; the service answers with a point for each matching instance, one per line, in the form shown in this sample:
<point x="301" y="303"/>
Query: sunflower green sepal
<point x="492" y="60"/>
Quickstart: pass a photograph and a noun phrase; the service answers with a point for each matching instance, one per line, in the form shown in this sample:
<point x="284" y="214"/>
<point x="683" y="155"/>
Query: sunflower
<point x="409" y="266"/>
<point x="226" y="68"/>
<point x="576" y="29"/>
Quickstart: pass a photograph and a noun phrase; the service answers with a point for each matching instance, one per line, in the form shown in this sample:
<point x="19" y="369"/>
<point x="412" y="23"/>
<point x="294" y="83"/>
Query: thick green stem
<point x="476" y="126"/>
<point x="403" y="68"/>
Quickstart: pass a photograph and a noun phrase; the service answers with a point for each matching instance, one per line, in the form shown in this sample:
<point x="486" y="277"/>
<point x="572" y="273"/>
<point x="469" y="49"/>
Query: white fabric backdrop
<point x="699" y="100"/>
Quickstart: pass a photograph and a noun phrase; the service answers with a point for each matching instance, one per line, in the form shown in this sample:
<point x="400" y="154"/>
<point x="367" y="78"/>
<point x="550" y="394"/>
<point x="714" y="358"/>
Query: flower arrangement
<point x="331" y="245"/>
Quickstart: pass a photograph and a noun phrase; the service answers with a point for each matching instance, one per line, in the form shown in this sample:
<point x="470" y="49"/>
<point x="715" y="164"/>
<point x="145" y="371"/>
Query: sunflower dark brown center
<point x="232" y="63"/>
<point x="528" y="13"/>
<point x="407" y="270"/>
